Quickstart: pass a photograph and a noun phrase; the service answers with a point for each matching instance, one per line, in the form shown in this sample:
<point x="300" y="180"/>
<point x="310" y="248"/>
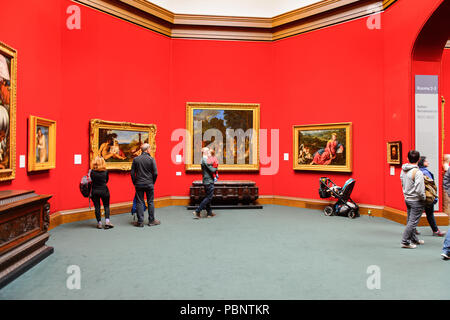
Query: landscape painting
<point x="231" y="130"/>
<point x="324" y="147"/>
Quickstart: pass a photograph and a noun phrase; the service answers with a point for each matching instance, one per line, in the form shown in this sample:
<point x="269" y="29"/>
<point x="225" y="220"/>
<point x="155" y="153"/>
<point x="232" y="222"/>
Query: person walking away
<point x="413" y="187"/>
<point x="429" y="207"/>
<point x="143" y="176"/>
<point x="208" y="183"/>
<point x="100" y="177"/>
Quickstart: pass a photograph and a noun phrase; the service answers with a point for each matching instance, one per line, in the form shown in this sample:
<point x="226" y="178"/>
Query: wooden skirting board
<point x="190" y="26"/>
<point x="68" y="216"/>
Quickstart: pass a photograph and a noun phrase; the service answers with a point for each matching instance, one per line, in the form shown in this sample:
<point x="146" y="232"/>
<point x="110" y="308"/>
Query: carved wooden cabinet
<point x="24" y="222"/>
<point x="227" y="194"/>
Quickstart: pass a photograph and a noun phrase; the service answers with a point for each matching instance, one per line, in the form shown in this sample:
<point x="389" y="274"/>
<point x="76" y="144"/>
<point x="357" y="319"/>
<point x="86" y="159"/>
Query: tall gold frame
<point x="97" y="124"/>
<point x="10" y="173"/>
<point x="33" y="122"/>
<point x="328" y="126"/>
<point x="190" y="106"/>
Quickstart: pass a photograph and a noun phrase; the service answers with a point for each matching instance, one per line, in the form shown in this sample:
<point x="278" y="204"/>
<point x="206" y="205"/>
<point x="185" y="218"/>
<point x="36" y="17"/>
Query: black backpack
<point x="86" y="185"/>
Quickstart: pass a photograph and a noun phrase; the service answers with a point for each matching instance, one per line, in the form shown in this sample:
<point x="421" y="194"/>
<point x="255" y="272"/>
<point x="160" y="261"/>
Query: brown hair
<point x="99" y="164"/>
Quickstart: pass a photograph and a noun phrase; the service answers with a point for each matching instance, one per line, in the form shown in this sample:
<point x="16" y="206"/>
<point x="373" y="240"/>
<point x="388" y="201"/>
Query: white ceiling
<point x="240" y="8"/>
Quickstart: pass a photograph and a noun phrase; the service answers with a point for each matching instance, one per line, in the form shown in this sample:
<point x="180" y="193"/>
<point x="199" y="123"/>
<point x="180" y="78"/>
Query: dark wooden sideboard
<point x="24" y="222"/>
<point x="232" y="194"/>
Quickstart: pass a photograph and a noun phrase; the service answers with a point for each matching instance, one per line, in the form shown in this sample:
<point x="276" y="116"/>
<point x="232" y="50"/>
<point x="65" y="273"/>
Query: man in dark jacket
<point x="208" y="184"/>
<point x="143" y="175"/>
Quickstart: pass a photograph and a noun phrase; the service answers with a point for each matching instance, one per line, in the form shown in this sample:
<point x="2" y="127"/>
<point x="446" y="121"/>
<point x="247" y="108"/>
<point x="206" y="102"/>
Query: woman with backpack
<point x="429" y="207"/>
<point x="100" y="177"/>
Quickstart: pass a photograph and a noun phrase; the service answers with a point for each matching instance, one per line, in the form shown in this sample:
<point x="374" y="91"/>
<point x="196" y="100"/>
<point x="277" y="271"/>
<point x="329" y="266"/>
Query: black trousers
<point x="206" y="203"/>
<point x="149" y="192"/>
<point x="102" y="194"/>
<point x="429" y="211"/>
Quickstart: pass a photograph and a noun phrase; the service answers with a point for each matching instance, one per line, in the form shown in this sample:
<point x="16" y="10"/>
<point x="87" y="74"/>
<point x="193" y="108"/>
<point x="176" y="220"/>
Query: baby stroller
<point x="344" y="206"/>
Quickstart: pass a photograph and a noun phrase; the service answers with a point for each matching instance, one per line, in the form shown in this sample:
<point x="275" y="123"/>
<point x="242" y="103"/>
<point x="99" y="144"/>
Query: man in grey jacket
<point x="413" y="186"/>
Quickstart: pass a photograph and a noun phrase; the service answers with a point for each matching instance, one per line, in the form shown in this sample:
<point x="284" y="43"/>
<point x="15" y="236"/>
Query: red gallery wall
<point x="329" y="76"/>
<point x="114" y="70"/>
<point x="34" y="30"/>
<point x="402" y="23"/>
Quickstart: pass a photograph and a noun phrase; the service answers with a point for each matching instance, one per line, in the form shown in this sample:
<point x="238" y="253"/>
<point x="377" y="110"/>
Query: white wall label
<point x="392" y="171"/>
<point x="178" y="173"/>
<point x="178" y="158"/>
<point x="77" y="159"/>
<point x="22" y="161"/>
<point x="286" y="156"/>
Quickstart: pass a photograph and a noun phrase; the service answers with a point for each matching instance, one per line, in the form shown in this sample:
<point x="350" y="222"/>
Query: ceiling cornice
<point x="315" y="16"/>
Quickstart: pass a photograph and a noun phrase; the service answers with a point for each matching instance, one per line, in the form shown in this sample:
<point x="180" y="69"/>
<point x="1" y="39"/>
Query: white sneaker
<point x="409" y="246"/>
<point x="419" y="242"/>
<point x="445" y="256"/>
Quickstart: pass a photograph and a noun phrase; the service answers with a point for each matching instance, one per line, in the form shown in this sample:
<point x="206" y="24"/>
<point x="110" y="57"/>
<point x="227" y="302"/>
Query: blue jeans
<point x="446" y="248"/>
<point x="206" y="203"/>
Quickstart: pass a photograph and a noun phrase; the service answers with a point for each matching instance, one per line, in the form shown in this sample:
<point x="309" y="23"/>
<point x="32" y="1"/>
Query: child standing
<point x="214" y="162"/>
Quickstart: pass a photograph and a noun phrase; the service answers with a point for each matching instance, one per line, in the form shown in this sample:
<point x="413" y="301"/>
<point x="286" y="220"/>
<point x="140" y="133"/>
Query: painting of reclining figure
<point x="324" y="147"/>
<point x="120" y="142"/>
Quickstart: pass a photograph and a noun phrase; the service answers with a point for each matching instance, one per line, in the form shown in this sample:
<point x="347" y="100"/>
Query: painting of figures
<point x="231" y="130"/>
<point x="325" y="147"/>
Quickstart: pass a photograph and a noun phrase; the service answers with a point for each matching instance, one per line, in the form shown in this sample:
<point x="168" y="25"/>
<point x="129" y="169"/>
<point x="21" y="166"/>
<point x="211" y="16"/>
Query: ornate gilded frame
<point x="348" y="167"/>
<point x="189" y="156"/>
<point x="97" y="124"/>
<point x="389" y="145"/>
<point x="33" y="123"/>
<point x="10" y="173"/>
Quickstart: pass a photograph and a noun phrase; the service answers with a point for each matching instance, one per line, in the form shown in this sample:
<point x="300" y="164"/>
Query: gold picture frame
<point x="323" y="147"/>
<point x="8" y="91"/>
<point x="224" y="117"/>
<point x="41" y="144"/>
<point x="394" y="152"/>
<point x="119" y="142"/>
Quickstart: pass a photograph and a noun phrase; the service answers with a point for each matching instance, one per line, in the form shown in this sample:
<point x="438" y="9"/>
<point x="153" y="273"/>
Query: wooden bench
<point x="232" y="194"/>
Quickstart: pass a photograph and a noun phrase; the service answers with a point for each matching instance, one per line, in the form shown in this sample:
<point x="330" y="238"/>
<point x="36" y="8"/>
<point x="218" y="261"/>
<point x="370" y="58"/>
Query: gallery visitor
<point x="208" y="183"/>
<point x="143" y="175"/>
<point x="99" y="176"/>
<point x="413" y="187"/>
<point x="429" y="207"/>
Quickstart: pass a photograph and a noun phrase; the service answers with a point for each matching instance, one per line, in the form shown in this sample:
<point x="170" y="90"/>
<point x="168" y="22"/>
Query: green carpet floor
<point x="274" y="253"/>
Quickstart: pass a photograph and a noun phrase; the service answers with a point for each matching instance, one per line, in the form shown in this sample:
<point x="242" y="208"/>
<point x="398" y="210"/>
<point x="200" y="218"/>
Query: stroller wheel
<point x="352" y="214"/>
<point x="328" y="211"/>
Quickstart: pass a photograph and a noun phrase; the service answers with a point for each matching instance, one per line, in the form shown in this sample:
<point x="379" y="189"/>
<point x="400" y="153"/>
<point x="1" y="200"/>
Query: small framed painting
<point x="394" y="152"/>
<point x="41" y="144"/>
<point x="323" y="147"/>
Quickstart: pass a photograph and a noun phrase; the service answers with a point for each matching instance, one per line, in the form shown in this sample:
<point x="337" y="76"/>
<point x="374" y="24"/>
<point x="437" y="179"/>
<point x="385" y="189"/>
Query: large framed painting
<point x="230" y="129"/>
<point x="323" y="147"/>
<point x="8" y="85"/>
<point x="394" y="152"/>
<point x="41" y="144"/>
<point x="120" y="142"/>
